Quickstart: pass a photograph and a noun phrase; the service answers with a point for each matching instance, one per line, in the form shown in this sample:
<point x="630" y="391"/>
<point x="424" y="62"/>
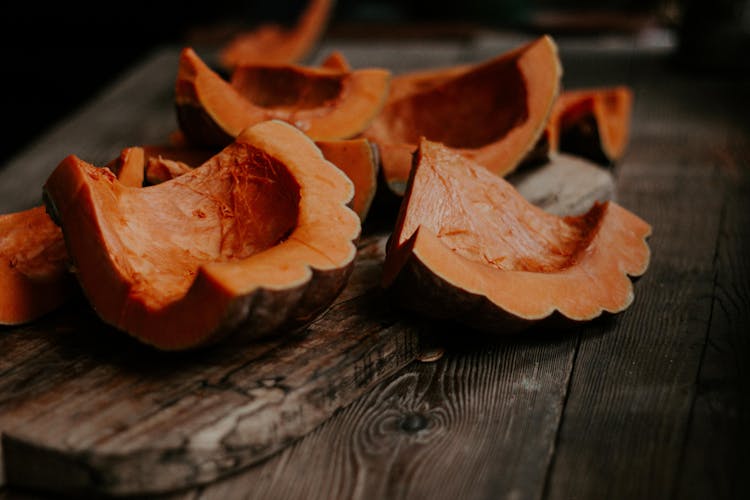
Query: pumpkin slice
<point x="593" y="123"/>
<point x="357" y="158"/>
<point x="493" y="112"/>
<point x="273" y="44"/>
<point x="34" y="277"/>
<point x="467" y="246"/>
<point x="325" y="103"/>
<point x="256" y="240"/>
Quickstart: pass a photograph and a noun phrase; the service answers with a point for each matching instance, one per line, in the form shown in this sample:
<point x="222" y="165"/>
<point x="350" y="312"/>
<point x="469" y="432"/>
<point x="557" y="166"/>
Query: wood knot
<point x="413" y="422"/>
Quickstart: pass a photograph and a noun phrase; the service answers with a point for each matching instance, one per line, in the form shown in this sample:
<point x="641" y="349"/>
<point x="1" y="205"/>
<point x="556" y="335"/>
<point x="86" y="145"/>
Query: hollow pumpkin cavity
<point x="468" y="246"/>
<point x="285" y="87"/>
<point x="493" y="112"/>
<point x="235" y="207"/>
<point x="241" y="240"/>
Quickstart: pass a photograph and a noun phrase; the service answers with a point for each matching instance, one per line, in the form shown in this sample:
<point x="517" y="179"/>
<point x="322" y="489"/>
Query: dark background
<point x="57" y="56"/>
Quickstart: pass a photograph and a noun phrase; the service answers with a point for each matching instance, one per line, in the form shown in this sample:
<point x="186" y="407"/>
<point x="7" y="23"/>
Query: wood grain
<point x="650" y="403"/>
<point x="631" y="394"/>
<point x="716" y="457"/>
<point x="136" y="421"/>
<point x="480" y="420"/>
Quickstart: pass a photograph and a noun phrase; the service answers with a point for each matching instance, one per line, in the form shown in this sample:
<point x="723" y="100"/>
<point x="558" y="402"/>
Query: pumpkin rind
<point x="439" y="261"/>
<point x="258" y="239"/>
<point x="212" y="111"/>
<point x="493" y="112"/>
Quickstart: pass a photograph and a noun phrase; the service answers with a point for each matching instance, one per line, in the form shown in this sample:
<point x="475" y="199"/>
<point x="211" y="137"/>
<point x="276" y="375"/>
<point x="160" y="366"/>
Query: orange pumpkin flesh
<point x="593" y="123"/>
<point x="33" y="266"/>
<point x="336" y="60"/>
<point x="468" y="246"/>
<point x="258" y="237"/>
<point x="355" y="157"/>
<point x="493" y="112"/>
<point x="326" y="104"/>
<point x="276" y="45"/>
<point x="34" y="262"/>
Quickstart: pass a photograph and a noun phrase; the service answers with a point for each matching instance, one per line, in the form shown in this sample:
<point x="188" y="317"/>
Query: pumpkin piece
<point x="593" y="123"/>
<point x="257" y="240"/>
<point x="273" y="44"/>
<point x="33" y="266"/>
<point x="161" y="163"/>
<point x="357" y="158"/>
<point x="493" y="112"/>
<point x="336" y="60"/>
<point x="128" y="167"/>
<point x="326" y="104"/>
<point x="467" y="246"/>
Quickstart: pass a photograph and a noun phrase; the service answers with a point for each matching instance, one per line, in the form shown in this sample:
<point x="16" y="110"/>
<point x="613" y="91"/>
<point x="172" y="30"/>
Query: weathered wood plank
<point x="131" y="420"/>
<point x="717" y="455"/>
<point x="626" y="418"/>
<point x="479" y="423"/>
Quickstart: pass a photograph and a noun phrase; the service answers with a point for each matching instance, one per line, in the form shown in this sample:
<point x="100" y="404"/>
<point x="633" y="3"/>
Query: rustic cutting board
<point x="86" y="410"/>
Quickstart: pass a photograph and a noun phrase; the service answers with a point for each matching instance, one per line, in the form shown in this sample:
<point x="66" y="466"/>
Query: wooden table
<point x="649" y="403"/>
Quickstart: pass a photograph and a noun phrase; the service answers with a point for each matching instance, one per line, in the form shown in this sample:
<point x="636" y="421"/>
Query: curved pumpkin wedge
<point x="274" y="44"/>
<point x="326" y="104"/>
<point x="468" y="246"/>
<point x="593" y="123"/>
<point x="493" y="112"/>
<point x="34" y="275"/>
<point x="258" y="239"/>
<point x="357" y="158"/>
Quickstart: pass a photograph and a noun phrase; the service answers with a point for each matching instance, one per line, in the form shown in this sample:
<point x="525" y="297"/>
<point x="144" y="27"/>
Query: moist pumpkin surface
<point x="258" y="235"/>
<point x="468" y="245"/>
<point x="493" y="112"/>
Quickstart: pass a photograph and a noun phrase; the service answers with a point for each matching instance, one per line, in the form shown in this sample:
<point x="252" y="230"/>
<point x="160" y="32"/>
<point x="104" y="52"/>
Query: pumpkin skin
<point x="272" y="44"/>
<point x="593" y="123"/>
<point x="257" y="240"/>
<point x="493" y="112"/>
<point x="325" y="103"/>
<point x="468" y="247"/>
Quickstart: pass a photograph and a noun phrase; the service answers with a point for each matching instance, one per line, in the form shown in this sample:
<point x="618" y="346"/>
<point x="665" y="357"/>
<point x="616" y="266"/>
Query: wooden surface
<point x="650" y="403"/>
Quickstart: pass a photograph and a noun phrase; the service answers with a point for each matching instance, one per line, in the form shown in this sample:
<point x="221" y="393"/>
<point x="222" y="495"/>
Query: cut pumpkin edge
<point x="423" y="249"/>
